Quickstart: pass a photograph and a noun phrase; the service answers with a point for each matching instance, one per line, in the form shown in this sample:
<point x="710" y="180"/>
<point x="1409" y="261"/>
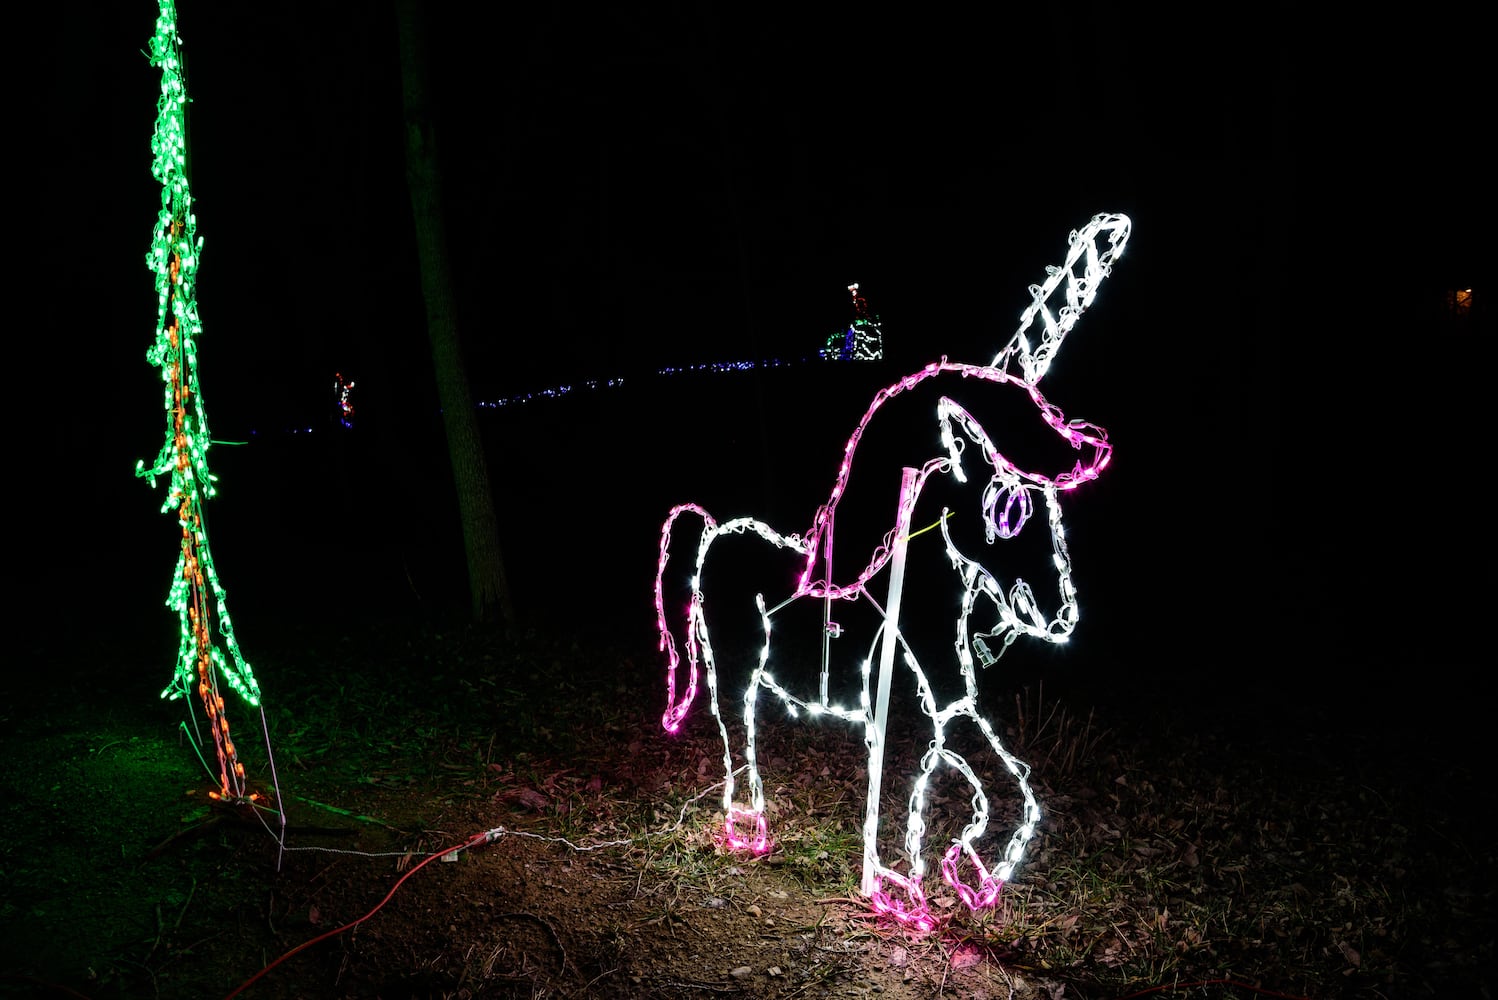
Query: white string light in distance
<point x="1009" y="498"/>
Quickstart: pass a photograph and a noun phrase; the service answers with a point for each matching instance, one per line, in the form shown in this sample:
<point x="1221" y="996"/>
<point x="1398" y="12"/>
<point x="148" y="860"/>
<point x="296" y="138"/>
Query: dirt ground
<point x="602" y="876"/>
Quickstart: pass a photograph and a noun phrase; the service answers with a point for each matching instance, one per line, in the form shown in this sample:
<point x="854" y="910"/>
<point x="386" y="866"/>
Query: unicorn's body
<point x="1008" y="499"/>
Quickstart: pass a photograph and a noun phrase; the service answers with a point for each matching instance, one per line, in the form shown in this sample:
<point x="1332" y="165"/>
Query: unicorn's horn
<point x="1078" y="291"/>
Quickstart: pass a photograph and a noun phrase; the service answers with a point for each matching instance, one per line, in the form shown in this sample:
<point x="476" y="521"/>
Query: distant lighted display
<point x="343" y="392"/>
<point x="862" y="340"/>
<point x="992" y="613"/>
<point x="208" y="655"/>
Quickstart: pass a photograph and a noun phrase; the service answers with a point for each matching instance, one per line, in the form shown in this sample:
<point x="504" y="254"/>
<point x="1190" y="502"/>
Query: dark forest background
<point x="1297" y="493"/>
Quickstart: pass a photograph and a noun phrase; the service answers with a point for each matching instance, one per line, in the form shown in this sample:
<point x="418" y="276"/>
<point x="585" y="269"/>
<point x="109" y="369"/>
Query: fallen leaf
<point x="528" y="797"/>
<point x="966" y="956"/>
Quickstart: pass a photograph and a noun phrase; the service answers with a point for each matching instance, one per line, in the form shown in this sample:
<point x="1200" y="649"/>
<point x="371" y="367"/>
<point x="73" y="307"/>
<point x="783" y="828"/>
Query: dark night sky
<point x="627" y="189"/>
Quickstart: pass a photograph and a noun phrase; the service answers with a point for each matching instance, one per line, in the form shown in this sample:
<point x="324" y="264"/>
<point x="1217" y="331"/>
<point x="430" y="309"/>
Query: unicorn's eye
<point x="1007" y="506"/>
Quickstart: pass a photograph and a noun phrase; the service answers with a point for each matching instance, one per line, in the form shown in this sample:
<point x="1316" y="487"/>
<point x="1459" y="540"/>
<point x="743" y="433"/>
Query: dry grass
<point x="1179" y="854"/>
<point x="1176" y="848"/>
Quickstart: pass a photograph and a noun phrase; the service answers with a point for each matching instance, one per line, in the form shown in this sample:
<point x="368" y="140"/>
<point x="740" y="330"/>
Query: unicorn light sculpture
<point x="1008" y="499"/>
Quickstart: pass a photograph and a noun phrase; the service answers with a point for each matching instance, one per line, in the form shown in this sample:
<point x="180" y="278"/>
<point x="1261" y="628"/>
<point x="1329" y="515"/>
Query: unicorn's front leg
<point x="983" y="889"/>
<point x="913" y="909"/>
<point x="902" y="897"/>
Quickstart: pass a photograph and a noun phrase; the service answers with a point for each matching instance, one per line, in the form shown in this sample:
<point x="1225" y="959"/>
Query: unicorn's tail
<point x="688" y="623"/>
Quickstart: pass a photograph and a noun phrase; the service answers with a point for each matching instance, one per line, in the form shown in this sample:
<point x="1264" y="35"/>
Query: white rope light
<point x="1009" y="498"/>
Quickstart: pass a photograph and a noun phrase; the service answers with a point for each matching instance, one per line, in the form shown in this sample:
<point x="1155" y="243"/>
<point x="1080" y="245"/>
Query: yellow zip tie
<point x="928" y="527"/>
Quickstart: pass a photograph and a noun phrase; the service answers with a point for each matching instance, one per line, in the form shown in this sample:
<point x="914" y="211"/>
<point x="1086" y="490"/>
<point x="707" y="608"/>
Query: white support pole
<point x="886" y="668"/>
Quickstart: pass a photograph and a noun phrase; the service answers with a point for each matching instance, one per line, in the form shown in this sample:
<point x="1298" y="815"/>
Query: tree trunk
<point x="486" y="574"/>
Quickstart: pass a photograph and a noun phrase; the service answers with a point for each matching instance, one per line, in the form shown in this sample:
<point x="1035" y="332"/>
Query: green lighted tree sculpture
<point x="208" y="655"/>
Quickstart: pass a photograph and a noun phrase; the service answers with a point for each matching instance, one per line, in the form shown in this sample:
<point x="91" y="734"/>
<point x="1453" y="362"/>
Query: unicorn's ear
<point x="1029" y="361"/>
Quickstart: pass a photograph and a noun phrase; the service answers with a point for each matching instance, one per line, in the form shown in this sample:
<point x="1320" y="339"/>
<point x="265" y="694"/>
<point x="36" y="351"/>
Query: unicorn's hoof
<point x="911" y="911"/>
<point x="985" y="895"/>
<point x="755" y="840"/>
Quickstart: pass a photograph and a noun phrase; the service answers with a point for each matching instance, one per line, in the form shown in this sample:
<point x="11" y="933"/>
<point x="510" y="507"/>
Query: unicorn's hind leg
<point x="747" y="828"/>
